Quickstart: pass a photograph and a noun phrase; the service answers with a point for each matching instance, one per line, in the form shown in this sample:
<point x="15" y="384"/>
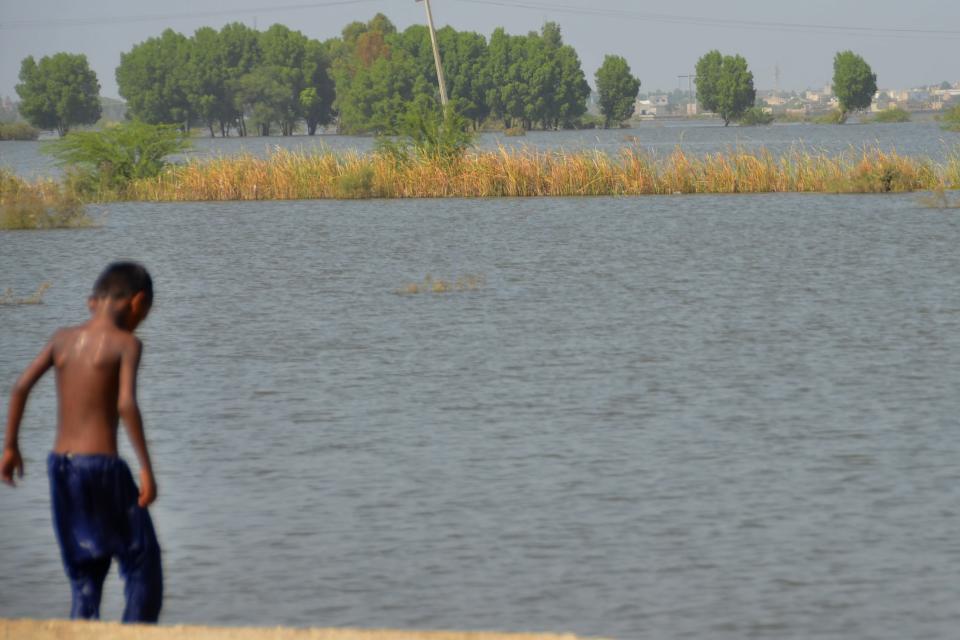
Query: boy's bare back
<point x="96" y="368"/>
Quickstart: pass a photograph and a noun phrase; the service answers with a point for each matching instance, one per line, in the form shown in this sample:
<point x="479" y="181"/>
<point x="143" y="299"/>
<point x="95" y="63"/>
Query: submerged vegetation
<point x="430" y="285"/>
<point x="756" y="116"/>
<point x="7" y="297"/>
<point x="939" y="199"/>
<point x="894" y="115"/>
<point x="288" y="175"/>
<point x="951" y="119"/>
<point x="43" y="204"/>
<point x="18" y="131"/>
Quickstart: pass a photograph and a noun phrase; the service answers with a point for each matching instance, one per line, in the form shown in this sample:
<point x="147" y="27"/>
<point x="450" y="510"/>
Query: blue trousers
<point x="96" y="518"/>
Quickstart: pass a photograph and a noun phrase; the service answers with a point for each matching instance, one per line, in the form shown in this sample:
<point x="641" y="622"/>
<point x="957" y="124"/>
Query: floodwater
<point x="659" y="138"/>
<point x="660" y="417"/>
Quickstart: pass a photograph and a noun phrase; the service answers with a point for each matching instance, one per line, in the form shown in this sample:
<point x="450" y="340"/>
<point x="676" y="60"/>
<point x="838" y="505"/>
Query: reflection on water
<point x="705" y="417"/>
<point x="917" y="138"/>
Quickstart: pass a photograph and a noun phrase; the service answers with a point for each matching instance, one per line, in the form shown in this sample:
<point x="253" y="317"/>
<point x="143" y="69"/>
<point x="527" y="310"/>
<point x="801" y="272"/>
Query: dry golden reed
<point x="42" y="204"/>
<point x="430" y="285"/>
<point x="287" y="175"/>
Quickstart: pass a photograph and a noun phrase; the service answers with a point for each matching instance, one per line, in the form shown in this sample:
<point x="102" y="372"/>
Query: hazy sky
<point x="906" y="43"/>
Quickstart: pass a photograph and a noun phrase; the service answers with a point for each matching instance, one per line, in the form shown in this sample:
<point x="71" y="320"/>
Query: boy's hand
<point x="11" y="462"/>
<point x="148" y="489"/>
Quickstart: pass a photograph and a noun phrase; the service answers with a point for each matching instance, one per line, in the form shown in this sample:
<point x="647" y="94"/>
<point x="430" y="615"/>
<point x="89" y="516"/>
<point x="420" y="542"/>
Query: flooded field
<point x="656" y="417"/>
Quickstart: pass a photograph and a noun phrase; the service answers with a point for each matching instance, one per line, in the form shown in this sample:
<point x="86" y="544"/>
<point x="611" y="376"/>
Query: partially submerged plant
<point x="428" y="131"/>
<point x="429" y="285"/>
<point x="938" y="199"/>
<point x="43" y="204"/>
<point x="7" y="298"/>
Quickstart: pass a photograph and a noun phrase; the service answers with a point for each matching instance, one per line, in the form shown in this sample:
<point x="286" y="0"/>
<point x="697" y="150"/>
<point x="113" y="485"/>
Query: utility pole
<point x="436" y="54"/>
<point x="690" y="78"/>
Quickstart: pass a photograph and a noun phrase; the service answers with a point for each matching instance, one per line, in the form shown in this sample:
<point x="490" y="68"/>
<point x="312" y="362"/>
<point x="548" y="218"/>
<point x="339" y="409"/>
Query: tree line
<point x="242" y="81"/>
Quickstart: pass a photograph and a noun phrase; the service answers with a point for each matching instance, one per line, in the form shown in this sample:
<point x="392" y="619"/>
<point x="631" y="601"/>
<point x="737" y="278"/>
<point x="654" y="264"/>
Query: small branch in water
<point x="429" y="285"/>
<point x="37" y="298"/>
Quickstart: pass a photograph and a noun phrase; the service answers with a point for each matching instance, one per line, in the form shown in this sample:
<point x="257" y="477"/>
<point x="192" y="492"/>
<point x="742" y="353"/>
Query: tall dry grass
<point x="42" y="204"/>
<point x="286" y="175"/>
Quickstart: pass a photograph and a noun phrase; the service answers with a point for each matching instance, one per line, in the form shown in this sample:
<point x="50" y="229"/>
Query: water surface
<point x="661" y="417"/>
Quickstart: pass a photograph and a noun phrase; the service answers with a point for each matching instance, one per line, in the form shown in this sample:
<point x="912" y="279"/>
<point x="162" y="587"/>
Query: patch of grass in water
<point x="430" y="285"/>
<point x="43" y="204"/>
<point x="7" y="298"/>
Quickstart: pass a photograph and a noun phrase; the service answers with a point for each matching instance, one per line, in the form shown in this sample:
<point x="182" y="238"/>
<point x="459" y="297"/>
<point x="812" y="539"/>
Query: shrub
<point x="355" y="183"/>
<point x="756" y="116"/>
<point x="951" y="119"/>
<point x="107" y="160"/>
<point x="891" y="116"/>
<point x="18" y="131"/>
<point x="831" y="117"/>
<point x="429" y="132"/>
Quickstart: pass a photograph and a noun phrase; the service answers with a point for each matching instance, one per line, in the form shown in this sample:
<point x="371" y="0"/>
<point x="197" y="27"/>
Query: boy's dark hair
<point x="124" y="279"/>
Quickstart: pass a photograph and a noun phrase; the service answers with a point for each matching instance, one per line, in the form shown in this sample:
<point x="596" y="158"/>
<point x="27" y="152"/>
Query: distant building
<point x="645" y="110"/>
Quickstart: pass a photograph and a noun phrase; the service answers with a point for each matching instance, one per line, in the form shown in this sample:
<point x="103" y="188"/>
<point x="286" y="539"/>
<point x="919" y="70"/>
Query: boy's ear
<point x="91" y="303"/>
<point x="139" y="305"/>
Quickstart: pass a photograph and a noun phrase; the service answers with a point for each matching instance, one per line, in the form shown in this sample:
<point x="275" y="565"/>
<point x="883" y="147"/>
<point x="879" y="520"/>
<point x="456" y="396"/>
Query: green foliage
<point x="618" y="90"/>
<point x="894" y="115"/>
<point x="951" y="119"/>
<point x="355" y="184"/>
<point x="428" y="131"/>
<point x="220" y="79"/>
<point x="836" y="116"/>
<point x="109" y="159"/>
<point x="708" y="72"/>
<point x="154" y="78"/>
<point x="18" y="131"/>
<point x="366" y="79"/>
<point x="854" y="83"/>
<point x="725" y="85"/>
<point x="58" y="92"/>
<point x="756" y="116"/>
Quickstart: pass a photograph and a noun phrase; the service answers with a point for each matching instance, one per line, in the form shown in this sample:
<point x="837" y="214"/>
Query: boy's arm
<point x="11" y="460"/>
<point x="130" y="414"/>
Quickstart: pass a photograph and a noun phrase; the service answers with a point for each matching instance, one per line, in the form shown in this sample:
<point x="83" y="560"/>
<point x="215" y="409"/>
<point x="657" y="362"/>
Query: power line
<point x="157" y="17"/>
<point x="795" y="27"/>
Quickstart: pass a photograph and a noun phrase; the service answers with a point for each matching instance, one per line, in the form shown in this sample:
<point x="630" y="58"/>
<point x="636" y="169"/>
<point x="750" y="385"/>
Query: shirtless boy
<point x="98" y="512"/>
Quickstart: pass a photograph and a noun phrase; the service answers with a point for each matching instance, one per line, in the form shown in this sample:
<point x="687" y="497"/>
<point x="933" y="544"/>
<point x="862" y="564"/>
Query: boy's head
<point x="128" y="284"/>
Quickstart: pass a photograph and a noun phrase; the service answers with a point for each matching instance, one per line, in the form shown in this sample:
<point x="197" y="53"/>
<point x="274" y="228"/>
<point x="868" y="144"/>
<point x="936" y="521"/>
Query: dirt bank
<point x="63" y="630"/>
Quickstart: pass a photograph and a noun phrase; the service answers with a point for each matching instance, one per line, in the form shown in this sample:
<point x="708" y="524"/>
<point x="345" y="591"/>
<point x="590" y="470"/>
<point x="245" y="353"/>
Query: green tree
<point x="205" y="80"/>
<point x="264" y="99"/>
<point x="708" y="72"/>
<point x="618" y="90"/>
<point x="153" y="77"/>
<point x="725" y="85"/>
<point x="854" y="83"/>
<point x="58" y="92"/>
<point x="241" y="55"/>
<point x="316" y="99"/>
<point x="376" y="77"/>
